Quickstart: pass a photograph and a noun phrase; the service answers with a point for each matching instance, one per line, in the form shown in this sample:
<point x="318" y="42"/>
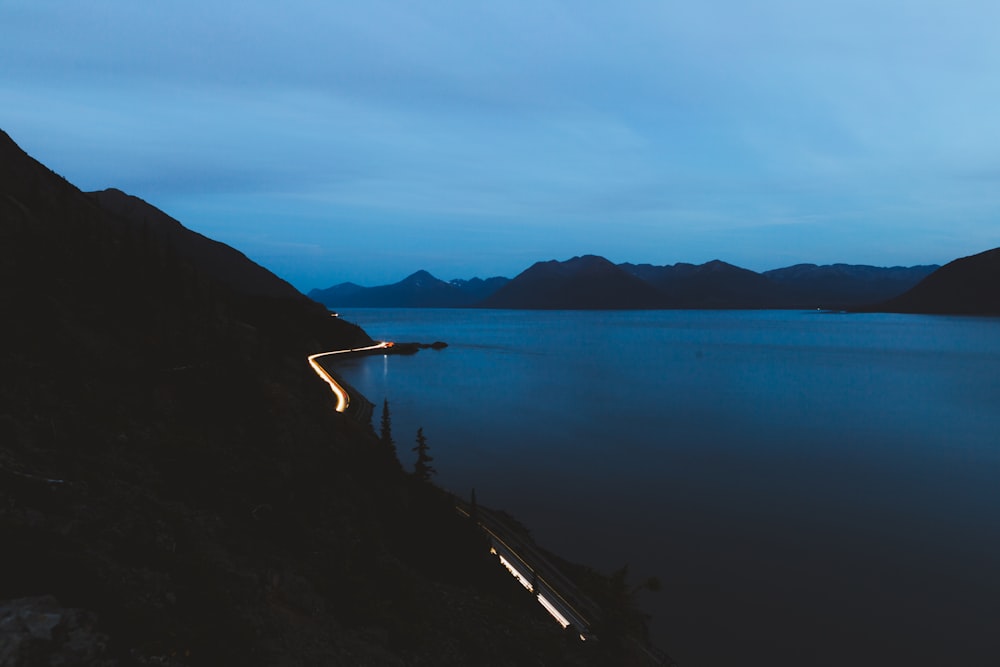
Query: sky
<point x="361" y="141"/>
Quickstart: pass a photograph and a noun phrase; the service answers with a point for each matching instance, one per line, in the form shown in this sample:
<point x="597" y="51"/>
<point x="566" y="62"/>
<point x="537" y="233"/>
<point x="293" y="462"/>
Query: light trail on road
<point x="343" y="398"/>
<point x="497" y="543"/>
<point x="527" y="584"/>
<point x="548" y="603"/>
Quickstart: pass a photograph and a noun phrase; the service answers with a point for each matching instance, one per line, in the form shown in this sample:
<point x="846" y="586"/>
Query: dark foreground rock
<point x="39" y="631"/>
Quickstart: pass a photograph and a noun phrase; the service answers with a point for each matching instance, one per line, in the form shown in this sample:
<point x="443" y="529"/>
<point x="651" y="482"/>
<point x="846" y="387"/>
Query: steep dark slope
<point x="966" y="286"/>
<point x="587" y="282"/>
<point x="217" y="260"/>
<point x="169" y="463"/>
<point x="838" y="286"/>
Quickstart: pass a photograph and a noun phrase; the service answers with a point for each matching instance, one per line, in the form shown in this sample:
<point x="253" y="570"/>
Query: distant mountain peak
<point x="422" y="273"/>
<point x="420" y="278"/>
<point x="581" y="282"/>
<point x="718" y="265"/>
<point x="587" y="261"/>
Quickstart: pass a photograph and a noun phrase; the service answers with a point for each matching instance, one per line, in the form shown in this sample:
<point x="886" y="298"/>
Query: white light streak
<point x="527" y="584"/>
<point x="343" y="399"/>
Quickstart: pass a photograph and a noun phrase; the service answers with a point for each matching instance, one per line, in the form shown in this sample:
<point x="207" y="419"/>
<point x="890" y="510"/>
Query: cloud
<point x="545" y="122"/>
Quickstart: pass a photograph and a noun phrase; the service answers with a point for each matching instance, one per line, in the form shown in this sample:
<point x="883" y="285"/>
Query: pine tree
<point x="385" y="435"/>
<point x="422" y="468"/>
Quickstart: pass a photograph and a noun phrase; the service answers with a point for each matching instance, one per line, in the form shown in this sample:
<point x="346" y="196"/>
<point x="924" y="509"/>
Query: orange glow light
<point x="343" y="399"/>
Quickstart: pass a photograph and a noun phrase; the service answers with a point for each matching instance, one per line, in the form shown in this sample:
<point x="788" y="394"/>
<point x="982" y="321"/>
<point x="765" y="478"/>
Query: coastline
<point x="517" y="552"/>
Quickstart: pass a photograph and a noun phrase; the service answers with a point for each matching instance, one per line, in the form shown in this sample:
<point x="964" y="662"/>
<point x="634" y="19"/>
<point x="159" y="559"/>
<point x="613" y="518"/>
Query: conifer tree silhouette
<point x="422" y="468"/>
<point x="385" y="435"/>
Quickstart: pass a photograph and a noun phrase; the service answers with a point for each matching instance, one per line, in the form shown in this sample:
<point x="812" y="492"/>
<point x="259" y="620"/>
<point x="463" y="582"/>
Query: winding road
<point x="343" y="398"/>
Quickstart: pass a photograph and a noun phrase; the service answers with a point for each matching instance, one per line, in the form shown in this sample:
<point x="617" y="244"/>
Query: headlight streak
<point x="545" y="602"/>
<point x="343" y="399"/>
<point x="527" y="584"/>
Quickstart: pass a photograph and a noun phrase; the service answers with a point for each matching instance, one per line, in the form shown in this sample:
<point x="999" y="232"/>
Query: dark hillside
<point x="966" y="286"/>
<point x="173" y="471"/>
<point x="219" y="261"/>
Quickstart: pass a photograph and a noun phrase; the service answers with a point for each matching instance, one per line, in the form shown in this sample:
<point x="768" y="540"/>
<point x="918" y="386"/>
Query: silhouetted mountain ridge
<point x="593" y="282"/>
<point x="713" y="285"/>
<point x="418" y="290"/>
<point x="478" y="289"/>
<point x="587" y="282"/>
<point x="841" y="286"/>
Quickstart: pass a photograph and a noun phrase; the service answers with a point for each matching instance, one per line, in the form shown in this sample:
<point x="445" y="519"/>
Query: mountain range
<point x="419" y="290"/>
<point x="593" y="282"/>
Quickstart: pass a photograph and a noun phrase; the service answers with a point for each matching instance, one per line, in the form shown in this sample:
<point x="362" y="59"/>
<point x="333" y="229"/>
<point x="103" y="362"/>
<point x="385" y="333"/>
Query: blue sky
<point x="361" y="141"/>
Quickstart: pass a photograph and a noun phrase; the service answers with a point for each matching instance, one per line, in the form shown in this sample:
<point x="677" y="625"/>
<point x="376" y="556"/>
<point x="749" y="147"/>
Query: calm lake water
<point x="811" y="488"/>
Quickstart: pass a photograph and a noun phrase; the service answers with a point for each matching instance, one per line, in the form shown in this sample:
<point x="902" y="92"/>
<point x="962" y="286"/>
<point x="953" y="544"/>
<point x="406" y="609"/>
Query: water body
<point x="812" y="489"/>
